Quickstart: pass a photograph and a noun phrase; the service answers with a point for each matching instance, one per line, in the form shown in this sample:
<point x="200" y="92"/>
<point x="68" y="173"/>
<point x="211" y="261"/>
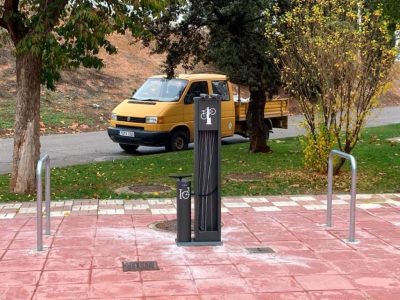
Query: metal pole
<point x="39" y="224"/>
<point x="329" y="200"/>
<point x="47" y="196"/>
<point x="353" y="200"/>
<point x="39" y="208"/>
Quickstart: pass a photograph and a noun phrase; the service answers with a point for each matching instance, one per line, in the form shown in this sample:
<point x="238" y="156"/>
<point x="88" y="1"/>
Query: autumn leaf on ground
<point x="74" y="126"/>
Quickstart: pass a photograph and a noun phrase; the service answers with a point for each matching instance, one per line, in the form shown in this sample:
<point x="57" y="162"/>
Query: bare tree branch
<point x="3" y="23"/>
<point x="52" y="10"/>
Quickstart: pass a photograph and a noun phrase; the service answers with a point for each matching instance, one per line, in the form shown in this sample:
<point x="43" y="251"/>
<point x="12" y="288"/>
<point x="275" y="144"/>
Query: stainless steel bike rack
<point x="353" y="192"/>
<point x="39" y="222"/>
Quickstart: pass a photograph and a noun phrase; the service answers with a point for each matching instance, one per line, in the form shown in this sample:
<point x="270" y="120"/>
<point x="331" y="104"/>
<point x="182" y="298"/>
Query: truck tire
<point x="268" y="125"/>
<point x="129" y="148"/>
<point x="178" y="141"/>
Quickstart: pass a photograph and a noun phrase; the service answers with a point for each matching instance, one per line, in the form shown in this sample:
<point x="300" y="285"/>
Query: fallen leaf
<point x="74" y="126"/>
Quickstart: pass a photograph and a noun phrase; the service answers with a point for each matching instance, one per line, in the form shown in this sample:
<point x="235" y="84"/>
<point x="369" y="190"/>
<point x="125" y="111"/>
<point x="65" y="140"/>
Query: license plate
<point x="127" y="133"/>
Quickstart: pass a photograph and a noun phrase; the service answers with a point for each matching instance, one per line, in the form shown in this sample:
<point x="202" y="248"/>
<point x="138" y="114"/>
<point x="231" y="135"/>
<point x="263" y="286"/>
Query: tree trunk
<point x="255" y="121"/>
<point x="336" y="167"/>
<point x="27" y="121"/>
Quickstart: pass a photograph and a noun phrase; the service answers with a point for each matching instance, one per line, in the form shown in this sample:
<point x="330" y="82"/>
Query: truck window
<point x="160" y="89"/>
<point x="197" y="88"/>
<point x="220" y="87"/>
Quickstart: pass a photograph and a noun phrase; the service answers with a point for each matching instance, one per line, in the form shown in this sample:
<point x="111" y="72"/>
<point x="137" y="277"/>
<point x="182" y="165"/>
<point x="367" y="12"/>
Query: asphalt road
<point x="73" y="149"/>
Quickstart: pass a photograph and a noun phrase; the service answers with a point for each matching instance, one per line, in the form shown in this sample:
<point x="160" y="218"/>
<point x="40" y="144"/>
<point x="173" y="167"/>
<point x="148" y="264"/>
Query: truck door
<point x="196" y="88"/>
<point x="220" y="87"/>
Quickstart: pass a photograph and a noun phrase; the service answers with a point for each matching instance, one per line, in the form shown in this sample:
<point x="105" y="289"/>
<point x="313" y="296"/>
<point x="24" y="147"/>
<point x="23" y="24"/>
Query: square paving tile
<point x="169" y="288"/>
<point x="274" y="284"/>
<point x="116" y="290"/>
<point x="380" y="294"/>
<point x="222" y="286"/>
<point x="214" y="271"/>
<point x="15" y="279"/>
<point x="374" y="281"/>
<point x="61" y="291"/>
<point x="324" y="282"/>
<point x="65" y="277"/>
<point x="338" y="295"/>
<point x="167" y="272"/>
<point x="17" y="292"/>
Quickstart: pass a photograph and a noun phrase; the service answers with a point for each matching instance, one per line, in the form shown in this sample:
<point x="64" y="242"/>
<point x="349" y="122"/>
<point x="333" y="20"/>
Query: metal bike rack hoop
<point x="353" y="192"/>
<point x="39" y="223"/>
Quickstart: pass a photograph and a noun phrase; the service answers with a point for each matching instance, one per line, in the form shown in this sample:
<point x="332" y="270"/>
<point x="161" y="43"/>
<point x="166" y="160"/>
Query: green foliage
<point x="316" y="148"/>
<point x="334" y="64"/>
<point x="390" y="10"/>
<point x="68" y="34"/>
<point x="227" y="33"/>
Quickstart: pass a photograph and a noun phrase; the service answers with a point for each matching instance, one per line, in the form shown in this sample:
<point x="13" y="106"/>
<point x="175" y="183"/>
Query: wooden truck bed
<point x="273" y="109"/>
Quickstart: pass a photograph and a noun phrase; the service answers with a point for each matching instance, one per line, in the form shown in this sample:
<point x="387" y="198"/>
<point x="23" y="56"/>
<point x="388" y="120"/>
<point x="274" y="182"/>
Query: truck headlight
<point x="151" y="120"/>
<point x="113" y="117"/>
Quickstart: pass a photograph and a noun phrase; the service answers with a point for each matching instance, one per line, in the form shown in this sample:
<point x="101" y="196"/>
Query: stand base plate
<point x="195" y="243"/>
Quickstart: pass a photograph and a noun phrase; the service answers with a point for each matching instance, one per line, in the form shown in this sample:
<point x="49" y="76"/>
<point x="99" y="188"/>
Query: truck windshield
<point x="160" y="89"/>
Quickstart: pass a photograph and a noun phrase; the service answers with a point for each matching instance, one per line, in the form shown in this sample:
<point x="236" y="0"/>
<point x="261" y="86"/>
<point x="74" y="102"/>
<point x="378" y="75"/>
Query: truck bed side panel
<point x="276" y="108"/>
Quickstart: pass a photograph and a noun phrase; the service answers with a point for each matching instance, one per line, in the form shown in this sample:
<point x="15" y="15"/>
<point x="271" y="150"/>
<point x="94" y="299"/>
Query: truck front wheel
<point x="178" y="141"/>
<point x="129" y="148"/>
<point x="267" y="135"/>
<point x="268" y="125"/>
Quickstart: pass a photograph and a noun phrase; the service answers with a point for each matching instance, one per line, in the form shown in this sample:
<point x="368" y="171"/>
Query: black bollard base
<point x="183" y="211"/>
<point x="196" y="243"/>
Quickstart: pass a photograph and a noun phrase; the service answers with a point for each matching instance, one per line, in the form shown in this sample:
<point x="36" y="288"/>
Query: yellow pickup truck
<point x="161" y="112"/>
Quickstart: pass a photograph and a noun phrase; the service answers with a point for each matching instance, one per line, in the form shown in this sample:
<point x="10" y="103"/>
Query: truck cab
<point x="161" y="111"/>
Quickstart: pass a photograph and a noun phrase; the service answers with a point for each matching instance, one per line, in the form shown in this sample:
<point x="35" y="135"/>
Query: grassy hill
<point x="85" y="97"/>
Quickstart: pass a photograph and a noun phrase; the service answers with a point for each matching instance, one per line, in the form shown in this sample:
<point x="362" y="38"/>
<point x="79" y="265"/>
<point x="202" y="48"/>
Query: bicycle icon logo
<point x="207" y="113"/>
<point x="184" y="194"/>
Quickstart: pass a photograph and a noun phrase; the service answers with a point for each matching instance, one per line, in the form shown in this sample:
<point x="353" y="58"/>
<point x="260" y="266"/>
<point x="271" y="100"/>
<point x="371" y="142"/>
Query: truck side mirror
<point x="133" y="93"/>
<point x="189" y="98"/>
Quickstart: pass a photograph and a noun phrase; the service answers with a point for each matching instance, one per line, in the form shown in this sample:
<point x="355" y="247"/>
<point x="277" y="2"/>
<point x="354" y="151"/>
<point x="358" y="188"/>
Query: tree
<point x="229" y="34"/>
<point x="390" y="10"/>
<point x="50" y="35"/>
<point x="336" y="67"/>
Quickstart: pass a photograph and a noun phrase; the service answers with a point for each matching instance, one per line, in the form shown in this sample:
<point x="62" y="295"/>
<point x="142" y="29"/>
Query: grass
<point x="378" y="171"/>
<point x="51" y="115"/>
<point x="59" y="113"/>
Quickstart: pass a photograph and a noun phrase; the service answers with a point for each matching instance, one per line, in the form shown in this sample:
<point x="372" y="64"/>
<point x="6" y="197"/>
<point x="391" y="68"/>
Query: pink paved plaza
<point x="90" y="239"/>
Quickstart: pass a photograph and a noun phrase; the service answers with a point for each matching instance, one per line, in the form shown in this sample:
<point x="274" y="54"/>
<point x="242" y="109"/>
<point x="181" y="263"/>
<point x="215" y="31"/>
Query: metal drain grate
<point x="260" y="250"/>
<point x="134" y="266"/>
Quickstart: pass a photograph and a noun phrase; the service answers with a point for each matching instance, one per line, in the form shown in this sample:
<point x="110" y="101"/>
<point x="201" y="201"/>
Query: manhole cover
<point x="143" y="189"/>
<point x="258" y="250"/>
<point x="243" y="177"/>
<point x="169" y="225"/>
<point x="134" y="266"/>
